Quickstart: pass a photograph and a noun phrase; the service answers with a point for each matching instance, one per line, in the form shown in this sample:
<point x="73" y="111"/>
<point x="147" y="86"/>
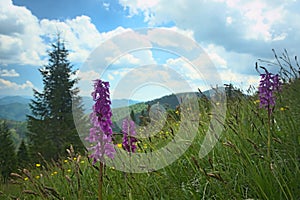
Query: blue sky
<point x="234" y="34"/>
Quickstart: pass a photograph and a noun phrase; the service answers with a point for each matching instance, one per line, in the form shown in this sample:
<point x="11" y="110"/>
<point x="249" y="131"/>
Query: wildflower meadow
<point x="257" y="155"/>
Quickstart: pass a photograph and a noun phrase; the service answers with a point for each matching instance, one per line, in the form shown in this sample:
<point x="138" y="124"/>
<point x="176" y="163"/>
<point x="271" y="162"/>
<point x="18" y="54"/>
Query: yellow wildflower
<point x="26" y="179"/>
<point x="283" y="108"/>
<point x="55" y="172"/>
<point x="37" y="177"/>
<point x="256" y="101"/>
<point x="119" y="145"/>
<point x="37" y="164"/>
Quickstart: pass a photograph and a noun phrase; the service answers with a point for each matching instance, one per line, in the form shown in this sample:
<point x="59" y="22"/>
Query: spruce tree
<point x="7" y="152"/>
<point x="132" y="116"/>
<point x="51" y="128"/>
<point x="23" y="158"/>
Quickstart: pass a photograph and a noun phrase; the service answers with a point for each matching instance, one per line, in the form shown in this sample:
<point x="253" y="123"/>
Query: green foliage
<point x="23" y="158"/>
<point x="237" y="168"/>
<point x="51" y="127"/>
<point x="7" y="152"/>
<point x="132" y="116"/>
<point x="120" y="113"/>
<point x="17" y="129"/>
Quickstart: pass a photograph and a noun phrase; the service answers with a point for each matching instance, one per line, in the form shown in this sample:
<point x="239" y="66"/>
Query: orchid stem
<point x="100" y="181"/>
<point x="269" y="136"/>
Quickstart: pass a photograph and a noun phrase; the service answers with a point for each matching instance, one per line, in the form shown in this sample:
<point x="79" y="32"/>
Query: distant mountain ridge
<point x="173" y="100"/>
<point x="17" y="107"/>
<point x="14" y="111"/>
<point x="14" y="99"/>
<point x="116" y="103"/>
<point x="14" y="108"/>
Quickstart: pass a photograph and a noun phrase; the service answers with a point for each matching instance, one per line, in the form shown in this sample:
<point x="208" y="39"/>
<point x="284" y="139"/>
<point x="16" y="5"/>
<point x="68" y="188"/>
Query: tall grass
<point x="237" y="168"/>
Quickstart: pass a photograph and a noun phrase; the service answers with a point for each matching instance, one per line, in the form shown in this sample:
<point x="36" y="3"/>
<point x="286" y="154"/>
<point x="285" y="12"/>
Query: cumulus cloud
<point x="22" y="36"/>
<point x="8" y="73"/>
<point x="5" y="84"/>
<point x="143" y="77"/>
<point x="87" y="75"/>
<point x="135" y="6"/>
<point x="20" y="40"/>
<point x="237" y="62"/>
<point x="80" y="34"/>
<point x="233" y="33"/>
<point x="12" y="88"/>
<point x="182" y="66"/>
<point x="239" y="80"/>
<point x="251" y="27"/>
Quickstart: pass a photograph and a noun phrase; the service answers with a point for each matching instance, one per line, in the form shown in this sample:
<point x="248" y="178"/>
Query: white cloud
<point x="214" y="54"/>
<point x="128" y="49"/>
<point x="19" y="35"/>
<point x="183" y="67"/>
<point x="242" y="81"/>
<point x="261" y="17"/>
<point x="172" y="37"/>
<point x="5" y="84"/>
<point x="127" y="59"/>
<point x="251" y="27"/>
<point x="135" y="6"/>
<point x="121" y="72"/>
<point x="228" y="69"/>
<point x="237" y="62"/>
<point x="12" y="88"/>
<point x="80" y="34"/>
<point x="111" y="77"/>
<point x="8" y="73"/>
<point x="148" y="76"/>
<point x="85" y="83"/>
<point x="106" y="6"/>
<point x="87" y="75"/>
<point x="229" y="20"/>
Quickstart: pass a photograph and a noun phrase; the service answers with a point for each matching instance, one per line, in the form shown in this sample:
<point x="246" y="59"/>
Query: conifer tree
<point x="132" y="116"/>
<point x="7" y="152"/>
<point x="51" y="125"/>
<point x="23" y="158"/>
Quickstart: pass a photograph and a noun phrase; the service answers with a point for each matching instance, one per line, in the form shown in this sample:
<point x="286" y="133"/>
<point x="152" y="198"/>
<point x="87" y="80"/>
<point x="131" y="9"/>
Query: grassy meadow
<point x="238" y="167"/>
